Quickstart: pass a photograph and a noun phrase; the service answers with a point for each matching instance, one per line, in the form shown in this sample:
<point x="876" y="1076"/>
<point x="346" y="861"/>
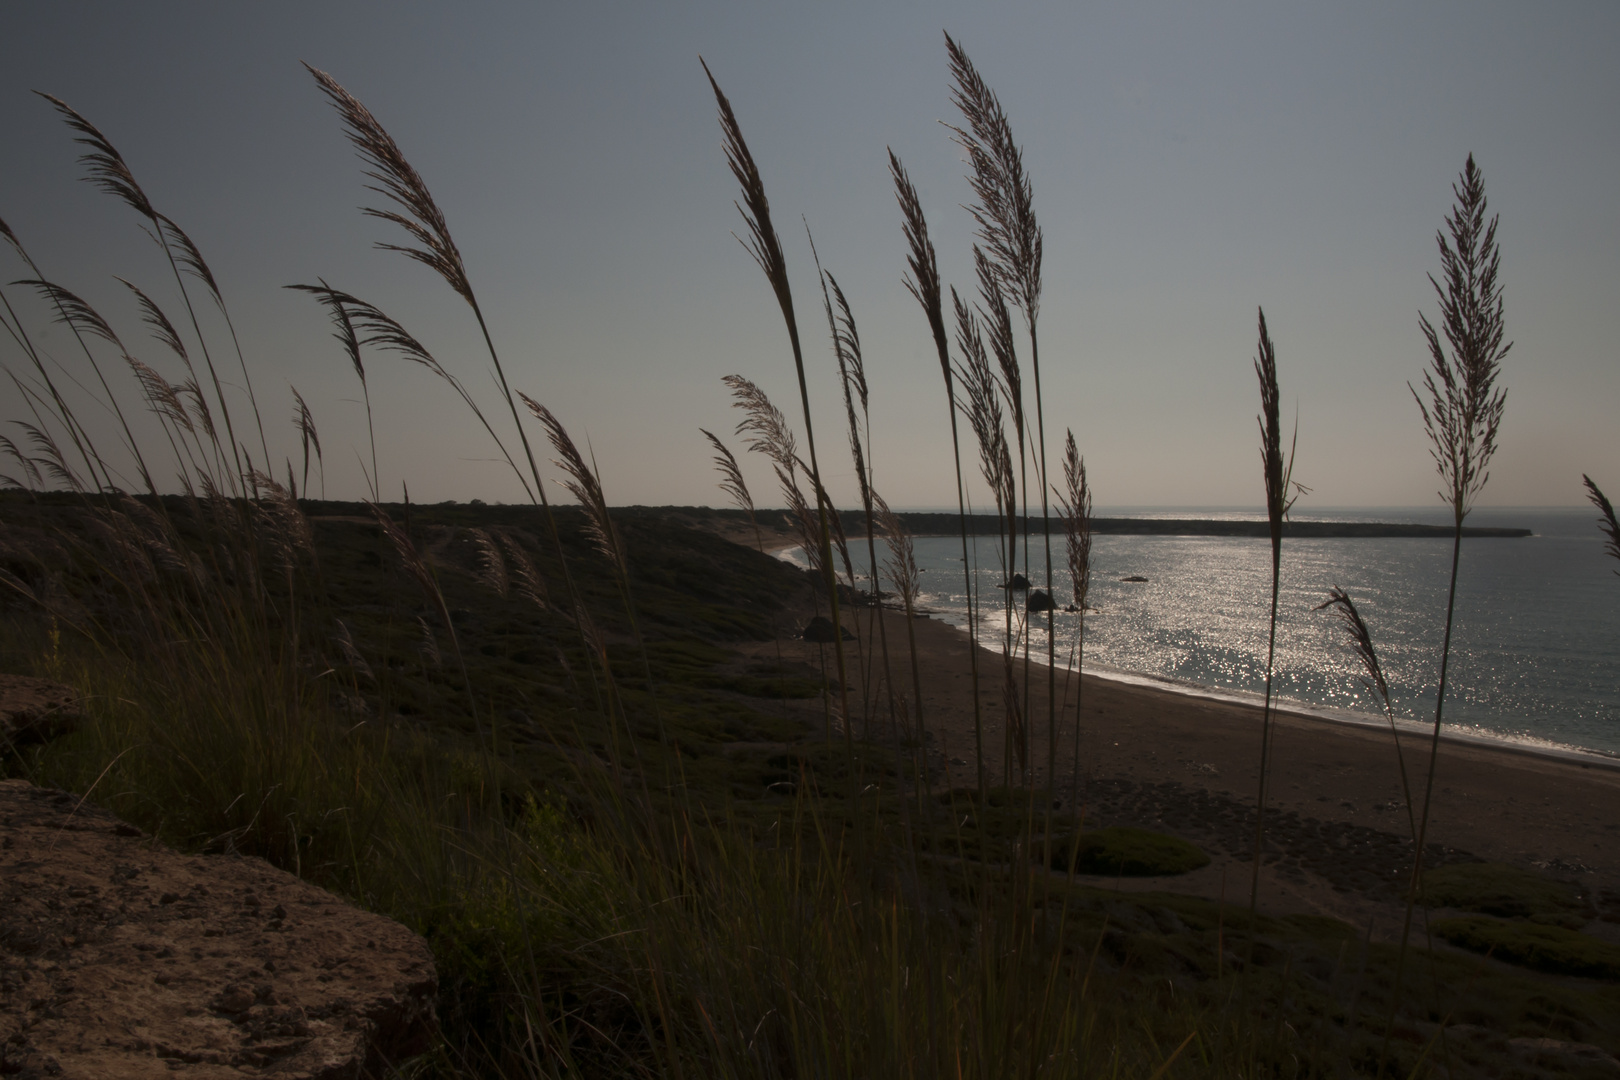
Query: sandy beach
<point x="1338" y="838"/>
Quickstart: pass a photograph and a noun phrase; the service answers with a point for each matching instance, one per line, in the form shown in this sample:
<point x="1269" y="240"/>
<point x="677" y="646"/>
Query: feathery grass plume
<point x="186" y="253"/>
<point x="30" y="471"/>
<point x="1074" y="507"/>
<point x="491" y="566"/>
<point x="732" y="482"/>
<point x="1610" y="527"/>
<point x="1461" y="418"/>
<point x="846" y="342"/>
<point x="108" y="171"/>
<point x="766" y="249"/>
<point x="423" y="221"/>
<point x="763" y="424"/>
<point x="584" y="486"/>
<point x="399" y="183"/>
<point x="923" y="282"/>
<point x="65" y="414"/>
<point x="374" y="329"/>
<point x="1341" y="605"/>
<point x="49" y="456"/>
<point x="982" y="395"/>
<point x="283" y="524"/>
<point x="1004" y="212"/>
<point x="530" y="585"/>
<point x="343" y="330"/>
<point x="304" y="421"/>
<point x="1278" y="475"/>
<point x="351" y="654"/>
<point x="428" y="644"/>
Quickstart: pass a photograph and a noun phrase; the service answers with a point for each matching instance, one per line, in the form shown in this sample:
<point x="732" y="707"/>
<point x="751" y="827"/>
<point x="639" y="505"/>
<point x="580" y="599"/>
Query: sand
<point x="1190" y="765"/>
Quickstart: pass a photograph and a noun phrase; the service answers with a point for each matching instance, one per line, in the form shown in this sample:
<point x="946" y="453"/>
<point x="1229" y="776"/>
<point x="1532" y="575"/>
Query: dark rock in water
<point x="1134" y="577"/>
<point x="821" y="629"/>
<point x="34" y="710"/>
<point x="122" y="958"/>
<point x="1039" y="600"/>
<point x="1019" y="583"/>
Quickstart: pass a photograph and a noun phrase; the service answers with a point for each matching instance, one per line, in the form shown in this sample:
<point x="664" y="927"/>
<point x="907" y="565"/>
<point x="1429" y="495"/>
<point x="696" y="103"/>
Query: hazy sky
<point x="1189" y="163"/>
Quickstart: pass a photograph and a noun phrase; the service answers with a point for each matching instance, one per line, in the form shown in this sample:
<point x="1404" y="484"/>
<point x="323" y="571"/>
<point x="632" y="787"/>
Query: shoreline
<point x="781" y="546"/>
<point x="1154" y="755"/>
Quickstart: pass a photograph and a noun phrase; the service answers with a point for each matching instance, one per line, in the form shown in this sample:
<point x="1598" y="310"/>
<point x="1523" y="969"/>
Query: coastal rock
<point x="32" y="710"/>
<point x="1040" y="600"/>
<point x="820" y="629"/>
<point x="1134" y="578"/>
<point x="121" y="958"/>
<point x="1019" y="583"/>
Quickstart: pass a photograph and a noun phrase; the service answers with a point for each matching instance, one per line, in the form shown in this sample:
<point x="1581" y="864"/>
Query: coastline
<point x="1157" y="755"/>
<point x="780" y="546"/>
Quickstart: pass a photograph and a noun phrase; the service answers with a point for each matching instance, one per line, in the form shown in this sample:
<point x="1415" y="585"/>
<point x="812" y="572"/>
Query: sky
<point x="1190" y="164"/>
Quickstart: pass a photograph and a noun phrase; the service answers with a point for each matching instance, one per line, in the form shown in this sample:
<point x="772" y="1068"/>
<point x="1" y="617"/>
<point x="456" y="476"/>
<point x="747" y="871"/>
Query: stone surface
<point x="121" y="958"/>
<point x="33" y="709"/>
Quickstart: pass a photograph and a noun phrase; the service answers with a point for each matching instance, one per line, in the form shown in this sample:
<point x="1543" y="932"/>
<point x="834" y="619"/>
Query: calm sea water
<point x="1535" y="649"/>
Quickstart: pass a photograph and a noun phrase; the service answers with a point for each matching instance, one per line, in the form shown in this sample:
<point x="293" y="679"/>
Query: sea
<point x="1535" y="651"/>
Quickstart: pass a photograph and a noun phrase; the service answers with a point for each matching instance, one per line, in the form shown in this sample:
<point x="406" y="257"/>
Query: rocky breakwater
<point x="122" y="958"/>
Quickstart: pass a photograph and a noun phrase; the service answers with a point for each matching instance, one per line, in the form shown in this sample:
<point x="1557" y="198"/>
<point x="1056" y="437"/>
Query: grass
<point x="527" y="732"/>
<point x="1128" y="852"/>
<point x="1553" y="949"/>
<point x="1498" y="889"/>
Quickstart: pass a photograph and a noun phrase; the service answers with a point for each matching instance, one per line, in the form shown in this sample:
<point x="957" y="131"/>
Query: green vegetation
<point x="1536" y="946"/>
<point x="1497" y="889"/>
<point x="1128" y="852"/>
<point x="531" y="733"/>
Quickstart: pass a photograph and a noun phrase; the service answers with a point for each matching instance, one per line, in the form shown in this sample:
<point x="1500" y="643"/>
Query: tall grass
<point x="597" y="925"/>
<point x="1461" y="416"/>
<point x="1278" y="475"/>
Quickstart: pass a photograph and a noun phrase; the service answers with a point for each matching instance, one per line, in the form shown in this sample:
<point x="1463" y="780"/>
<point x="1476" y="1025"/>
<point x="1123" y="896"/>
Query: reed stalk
<point x="1344" y="608"/>
<point x="1461" y="417"/>
<point x="923" y="283"/>
<point x="1278" y="476"/>
<point x="766" y="249"/>
<point x="1074" y="508"/>
<point x="1004" y="212"/>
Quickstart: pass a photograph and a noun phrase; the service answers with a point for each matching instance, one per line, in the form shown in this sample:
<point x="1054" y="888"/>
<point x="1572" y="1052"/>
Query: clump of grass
<point x="1553" y="949"/>
<point x="1124" y="851"/>
<point x="1498" y="889"/>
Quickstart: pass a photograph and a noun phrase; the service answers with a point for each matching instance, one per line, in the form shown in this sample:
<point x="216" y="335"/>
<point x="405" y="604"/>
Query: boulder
<point x="1018" y="583"/>
<point x="1040" y="600"/>
<point x="121" y="958"/>
<point x="32" y="709"/>
<point x="820" y="629"/>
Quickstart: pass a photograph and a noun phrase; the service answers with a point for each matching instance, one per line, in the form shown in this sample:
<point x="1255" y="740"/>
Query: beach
<point x="1337" y="831"/>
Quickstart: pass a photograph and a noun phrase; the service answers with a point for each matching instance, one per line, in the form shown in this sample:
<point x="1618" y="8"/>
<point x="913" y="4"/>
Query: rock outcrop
<point x="121" y="958"/>
<point x="34" y="709"/>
